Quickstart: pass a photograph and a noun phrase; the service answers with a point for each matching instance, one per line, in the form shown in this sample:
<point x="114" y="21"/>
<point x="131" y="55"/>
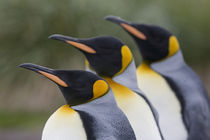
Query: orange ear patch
<point x="54" y="78"/>
<point x="126" y="58"/>
<point x="82" y="46"/>
<point x="173" y="45"/>
<point x="100" y="87"/>
<point x="134" y="31"/>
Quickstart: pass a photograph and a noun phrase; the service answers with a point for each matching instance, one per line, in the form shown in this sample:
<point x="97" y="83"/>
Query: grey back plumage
<point x="103" y="120"/>
<point x="191" y="93"/>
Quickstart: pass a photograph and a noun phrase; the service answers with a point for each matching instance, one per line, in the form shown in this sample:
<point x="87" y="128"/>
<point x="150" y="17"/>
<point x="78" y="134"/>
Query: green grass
<point x="22" y="119"/>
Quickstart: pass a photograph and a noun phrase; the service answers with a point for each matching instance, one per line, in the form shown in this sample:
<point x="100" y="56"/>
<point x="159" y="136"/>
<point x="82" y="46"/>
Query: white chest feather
<point x="64" y="124"/>
<point x="164" y="100"/>
<point x="141" y="118"/>
<point x="137" y="111"/>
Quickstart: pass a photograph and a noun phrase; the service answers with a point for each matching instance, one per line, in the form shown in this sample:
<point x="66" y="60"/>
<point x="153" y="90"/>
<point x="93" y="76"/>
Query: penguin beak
<point x="127" y="26"/>
<point x="116" y="20"/>
<point x="49" y="73"/>
<point x="74" y="42"/>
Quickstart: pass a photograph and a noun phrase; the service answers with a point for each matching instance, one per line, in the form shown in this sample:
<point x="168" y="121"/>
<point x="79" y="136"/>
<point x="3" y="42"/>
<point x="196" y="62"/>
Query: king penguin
<point x="172" y="86"/>
<point x="112" y="59"/>
<point x="91" y="111"/>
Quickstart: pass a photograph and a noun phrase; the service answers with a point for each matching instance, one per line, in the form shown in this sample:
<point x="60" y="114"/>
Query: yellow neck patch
<point x="65" y="109"/>
<point x="173" y="46"/>
<point x="144" y="67"/>
<point x="100" y="87"/>
<point x="87" y="64"/>
<point x="120" y="92"/>
<point x="126" y="58"/>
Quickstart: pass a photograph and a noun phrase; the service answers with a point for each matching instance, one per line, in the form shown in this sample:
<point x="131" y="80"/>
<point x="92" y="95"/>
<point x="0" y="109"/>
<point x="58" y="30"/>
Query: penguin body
<point x="113" y="60"/>
<point x="164" y="99"/>
<point x="191" y="94"/>
<point x="128" y="79"/>
<point x="99" y="119"/>
<point x="174" y="89"/>
<point x="137" y="111"/>
<point x="90" y="113"/>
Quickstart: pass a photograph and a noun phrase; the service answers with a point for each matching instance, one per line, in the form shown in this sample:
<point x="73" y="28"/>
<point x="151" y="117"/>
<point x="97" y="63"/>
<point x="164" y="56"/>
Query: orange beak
<point x="49" y="73"/>
<point x="127" y="26"/>
<point x="74" y="42"/>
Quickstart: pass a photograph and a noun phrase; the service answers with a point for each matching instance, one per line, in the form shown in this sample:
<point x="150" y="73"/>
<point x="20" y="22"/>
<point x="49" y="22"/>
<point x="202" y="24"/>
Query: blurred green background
<point x="27" y="99"/>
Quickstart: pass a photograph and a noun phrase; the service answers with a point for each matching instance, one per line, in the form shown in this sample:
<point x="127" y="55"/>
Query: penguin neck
<point x="128" y="77"/>
<point x="66" y="109"/>
<point x="173" y="62"/>
<point x="145" y="66"/>
<point x="104" y="100"/>
<point x="177" y="56"/>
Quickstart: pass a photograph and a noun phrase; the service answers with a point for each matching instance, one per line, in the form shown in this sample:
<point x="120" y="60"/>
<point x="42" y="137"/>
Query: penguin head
<point x="155" y="43"/>
<point x="76" y="86"/>
<point x="107" y="55"/>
